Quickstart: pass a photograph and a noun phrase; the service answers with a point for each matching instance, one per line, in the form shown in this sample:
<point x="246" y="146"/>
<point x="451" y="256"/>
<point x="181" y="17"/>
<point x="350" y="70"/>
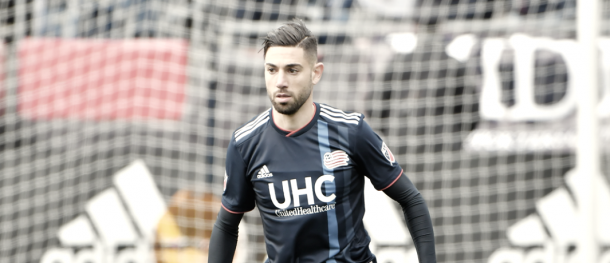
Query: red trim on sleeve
<point x="232" y="212"/>
<point x="392" y="183"/>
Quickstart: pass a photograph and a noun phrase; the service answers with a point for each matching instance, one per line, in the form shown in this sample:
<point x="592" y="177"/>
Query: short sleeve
<point x="238" y="196"/>
<point x="375" y="159"/>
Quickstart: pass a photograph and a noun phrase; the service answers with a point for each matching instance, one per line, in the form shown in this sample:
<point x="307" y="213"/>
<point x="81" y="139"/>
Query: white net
<point x="115" y="116"/>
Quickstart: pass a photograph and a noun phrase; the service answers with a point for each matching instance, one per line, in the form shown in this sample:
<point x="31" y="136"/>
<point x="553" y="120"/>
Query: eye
<point x="293" y="70"/>
<point x="270" y="70"/>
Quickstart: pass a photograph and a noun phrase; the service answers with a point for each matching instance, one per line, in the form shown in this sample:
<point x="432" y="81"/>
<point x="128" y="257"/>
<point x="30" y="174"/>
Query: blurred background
<point x="115" y="116"/>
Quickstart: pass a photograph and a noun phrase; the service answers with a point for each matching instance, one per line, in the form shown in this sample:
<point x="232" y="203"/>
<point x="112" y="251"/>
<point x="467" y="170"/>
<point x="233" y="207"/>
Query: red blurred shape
<point x="102" y="79"/>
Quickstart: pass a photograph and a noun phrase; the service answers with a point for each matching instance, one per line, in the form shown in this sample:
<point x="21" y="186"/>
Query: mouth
<point x="282" y="97"/>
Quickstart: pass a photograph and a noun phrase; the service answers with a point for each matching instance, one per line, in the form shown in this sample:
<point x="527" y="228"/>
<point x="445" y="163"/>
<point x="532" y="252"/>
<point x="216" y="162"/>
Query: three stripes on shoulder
<point x="326" y="111"/>
<point x="251" y="126"/>
<point x="339" y="115"/>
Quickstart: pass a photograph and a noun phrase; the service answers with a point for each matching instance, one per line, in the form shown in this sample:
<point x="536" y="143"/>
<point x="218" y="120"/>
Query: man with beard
<point x="303" y="164"/>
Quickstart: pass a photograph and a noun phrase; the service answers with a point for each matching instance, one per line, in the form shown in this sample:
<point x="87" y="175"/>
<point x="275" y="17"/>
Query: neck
<point x="297" y="120"/>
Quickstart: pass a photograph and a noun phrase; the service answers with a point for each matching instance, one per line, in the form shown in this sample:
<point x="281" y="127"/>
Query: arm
<point x="237" y="198"/>
<point x="224" y="237"/>
<point x="377" y="162"/>
<point x="417" y="217"/>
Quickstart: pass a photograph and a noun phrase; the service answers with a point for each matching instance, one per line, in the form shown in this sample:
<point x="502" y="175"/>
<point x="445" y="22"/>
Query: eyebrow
<point x="288" y="66"/>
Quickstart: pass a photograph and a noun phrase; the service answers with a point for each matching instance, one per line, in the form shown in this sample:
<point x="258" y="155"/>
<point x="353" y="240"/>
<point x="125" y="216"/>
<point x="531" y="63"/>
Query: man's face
<point x="289" y="76"/>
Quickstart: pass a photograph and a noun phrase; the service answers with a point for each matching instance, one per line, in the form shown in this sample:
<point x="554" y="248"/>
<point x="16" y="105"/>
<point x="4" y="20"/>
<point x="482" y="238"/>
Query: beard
<point x="293" y="106"/>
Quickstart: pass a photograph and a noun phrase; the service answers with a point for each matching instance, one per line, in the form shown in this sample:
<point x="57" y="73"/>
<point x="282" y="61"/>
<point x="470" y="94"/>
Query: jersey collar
<point x="301" y="130"/>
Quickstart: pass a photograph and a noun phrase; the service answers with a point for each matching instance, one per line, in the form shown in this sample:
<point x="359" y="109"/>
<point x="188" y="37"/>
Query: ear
<point x="316" y="74"/>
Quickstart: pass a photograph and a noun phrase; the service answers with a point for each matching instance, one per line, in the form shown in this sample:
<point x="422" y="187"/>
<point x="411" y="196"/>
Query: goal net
<point x="115" y="116"/>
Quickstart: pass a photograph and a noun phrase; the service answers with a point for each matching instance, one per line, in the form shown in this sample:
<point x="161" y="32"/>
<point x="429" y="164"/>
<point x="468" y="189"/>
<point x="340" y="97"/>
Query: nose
<point x="281" y="80"/>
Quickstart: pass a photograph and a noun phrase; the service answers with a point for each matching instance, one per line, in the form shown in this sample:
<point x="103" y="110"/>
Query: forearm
<point x="224" y="237"/>
<point x="417" y="217"/>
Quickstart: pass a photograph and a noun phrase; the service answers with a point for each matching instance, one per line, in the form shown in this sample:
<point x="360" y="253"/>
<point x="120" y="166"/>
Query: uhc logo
<point x="307" y="191"/>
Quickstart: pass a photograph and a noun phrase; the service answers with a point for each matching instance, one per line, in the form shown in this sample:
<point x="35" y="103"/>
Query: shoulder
<point x="253" y="126"/>
<point x="335" y="115"/>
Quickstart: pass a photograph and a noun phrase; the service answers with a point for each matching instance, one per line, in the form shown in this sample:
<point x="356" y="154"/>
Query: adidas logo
<point x="264" y="172"/>
<point x="551" y="234"/>
<point x="130" y="222"/>
<point x="124" y="216"/>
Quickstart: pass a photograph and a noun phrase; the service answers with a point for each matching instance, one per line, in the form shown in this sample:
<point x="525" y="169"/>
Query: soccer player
<point x="303" y="164"/>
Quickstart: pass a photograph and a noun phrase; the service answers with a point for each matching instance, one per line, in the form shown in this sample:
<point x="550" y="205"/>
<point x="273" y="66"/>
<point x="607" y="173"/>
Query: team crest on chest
<point x="335" y="159"/>
<point x="387" y="153"/>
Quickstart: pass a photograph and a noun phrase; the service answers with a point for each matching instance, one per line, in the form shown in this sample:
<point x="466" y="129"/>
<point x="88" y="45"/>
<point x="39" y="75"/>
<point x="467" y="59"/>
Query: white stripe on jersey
<point x="252" y="123"/>
<point x="339" y="119"/>
<point x="350" y="117"/>
<point x="251" y="126"/>
<point x="339" y="115"/>
<point x="263" y="121"/>
<point x="338" y="111"/>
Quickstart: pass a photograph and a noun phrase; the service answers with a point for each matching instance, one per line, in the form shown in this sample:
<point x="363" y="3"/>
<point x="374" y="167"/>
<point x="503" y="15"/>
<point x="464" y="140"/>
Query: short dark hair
<point x="292" y="34"/>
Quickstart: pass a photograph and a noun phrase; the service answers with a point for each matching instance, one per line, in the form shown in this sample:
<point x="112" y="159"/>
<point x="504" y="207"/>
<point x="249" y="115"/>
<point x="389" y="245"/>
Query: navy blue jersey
<point x="308" y="184"/>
